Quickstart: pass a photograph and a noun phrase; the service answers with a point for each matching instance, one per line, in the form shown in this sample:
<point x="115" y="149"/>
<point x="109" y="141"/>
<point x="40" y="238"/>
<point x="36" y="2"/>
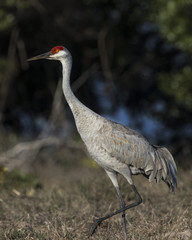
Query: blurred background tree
<point x="140" y="50"/>
<point x="173" y="17"/>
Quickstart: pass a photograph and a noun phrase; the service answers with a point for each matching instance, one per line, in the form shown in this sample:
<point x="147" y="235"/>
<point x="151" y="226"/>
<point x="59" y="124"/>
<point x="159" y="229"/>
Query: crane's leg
<point x="113" y="177"/>
<point x="122" y="205"/>
<point x="98" y="221"/>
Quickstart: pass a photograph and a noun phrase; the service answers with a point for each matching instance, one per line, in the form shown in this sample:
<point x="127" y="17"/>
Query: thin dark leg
<point x="98" y="221"/>
<point x="122" y="205"/>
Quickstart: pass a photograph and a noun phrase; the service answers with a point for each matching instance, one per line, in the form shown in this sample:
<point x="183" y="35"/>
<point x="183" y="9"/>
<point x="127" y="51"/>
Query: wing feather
<point x="127" y="146"/>
<point x="131" y="148"/>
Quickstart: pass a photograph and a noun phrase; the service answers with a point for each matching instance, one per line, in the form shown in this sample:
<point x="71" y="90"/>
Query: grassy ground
<point x="60" y="202"/>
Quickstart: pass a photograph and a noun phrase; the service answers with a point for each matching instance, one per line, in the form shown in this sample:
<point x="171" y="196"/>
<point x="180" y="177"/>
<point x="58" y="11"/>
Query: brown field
<point x="60" y="200"/>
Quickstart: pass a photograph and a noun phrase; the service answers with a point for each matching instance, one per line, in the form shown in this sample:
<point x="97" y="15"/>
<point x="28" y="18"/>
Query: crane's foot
<point x="94" y="226"/>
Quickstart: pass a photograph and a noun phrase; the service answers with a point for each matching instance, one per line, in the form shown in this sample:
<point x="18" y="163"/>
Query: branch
<point x="24" y="154"/>
<point x="103" y="54"/>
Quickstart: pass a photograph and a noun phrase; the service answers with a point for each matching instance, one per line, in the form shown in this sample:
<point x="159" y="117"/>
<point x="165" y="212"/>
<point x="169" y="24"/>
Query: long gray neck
<point x="84" y="117"/>
<point x="75" y="105"/>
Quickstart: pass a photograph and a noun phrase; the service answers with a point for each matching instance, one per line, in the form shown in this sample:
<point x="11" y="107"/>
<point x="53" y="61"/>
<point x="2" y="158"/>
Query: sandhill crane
<point x="116" y="148"/>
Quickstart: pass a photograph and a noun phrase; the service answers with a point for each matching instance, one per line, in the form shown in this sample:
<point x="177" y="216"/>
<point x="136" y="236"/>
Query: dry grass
<point x="70" y="195"/>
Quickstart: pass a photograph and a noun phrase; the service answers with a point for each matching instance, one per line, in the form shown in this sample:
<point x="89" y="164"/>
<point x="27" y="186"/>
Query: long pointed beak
<point x="42" y="56"/>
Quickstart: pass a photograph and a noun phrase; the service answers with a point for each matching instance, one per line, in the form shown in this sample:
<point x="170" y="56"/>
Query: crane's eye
<point x="56" y="49"/>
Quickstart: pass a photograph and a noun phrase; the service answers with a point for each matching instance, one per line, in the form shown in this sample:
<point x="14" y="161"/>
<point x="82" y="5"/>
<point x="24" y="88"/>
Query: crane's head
<point x="56" y="53"/>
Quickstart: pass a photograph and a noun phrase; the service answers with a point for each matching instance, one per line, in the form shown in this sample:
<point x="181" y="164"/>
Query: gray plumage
<point x="133" y="150"/>
<point x="116" y="148"/>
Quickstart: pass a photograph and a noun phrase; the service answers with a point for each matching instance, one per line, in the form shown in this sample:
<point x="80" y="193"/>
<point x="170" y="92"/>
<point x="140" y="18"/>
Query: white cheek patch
<point x="60" y="54"/>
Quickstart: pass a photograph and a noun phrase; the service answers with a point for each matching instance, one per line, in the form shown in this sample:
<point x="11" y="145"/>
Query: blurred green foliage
<point x="8" y="13"/>
<point x="178" y="85"/>
<point x="174" y="20"/>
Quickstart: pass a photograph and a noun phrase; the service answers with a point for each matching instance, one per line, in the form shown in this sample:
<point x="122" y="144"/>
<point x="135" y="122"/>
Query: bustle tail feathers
<point x="168" y="169"/>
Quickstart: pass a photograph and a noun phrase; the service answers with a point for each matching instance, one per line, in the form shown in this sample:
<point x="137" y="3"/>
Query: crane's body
<point x="116" y="148"/>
